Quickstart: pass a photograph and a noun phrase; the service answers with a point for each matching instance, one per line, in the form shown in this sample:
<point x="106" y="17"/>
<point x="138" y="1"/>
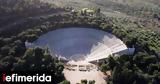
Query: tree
<point x="106" y="27"/>
<point x="32" y="37"/>
<point x="91" y="82"/>
<point x="18" y="48"/>
<point x="111" y="62"/>
<point x="5" y="50"/>
<point x="104" y="67"/>
<point x="7" y="62"/>
<point x="84" y="81"/>
<point x="98" y="10"/>
<point x="7" y="40"/>
<point x="65" y="82"/>
<point x="1" y="42"/>
<point x="37" y="59"/>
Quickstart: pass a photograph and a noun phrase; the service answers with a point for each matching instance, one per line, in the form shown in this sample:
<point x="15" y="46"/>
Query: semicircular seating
<point x="91" y="44"/>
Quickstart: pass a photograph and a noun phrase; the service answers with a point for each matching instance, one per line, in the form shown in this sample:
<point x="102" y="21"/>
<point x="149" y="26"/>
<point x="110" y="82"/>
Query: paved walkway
<point x="74" y="75"/>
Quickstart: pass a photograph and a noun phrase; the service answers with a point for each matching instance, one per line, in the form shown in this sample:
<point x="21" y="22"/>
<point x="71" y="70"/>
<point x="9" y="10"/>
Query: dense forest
<point x="144" y="12"/>
<point x="141" y="68"/>
<point x="17" y="10"/>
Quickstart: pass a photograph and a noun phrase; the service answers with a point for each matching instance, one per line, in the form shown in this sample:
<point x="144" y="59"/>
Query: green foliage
<point x="138" y="69"/>
<point x="1" y="42"/>
<point x="18" y="49"/>
<point x="65" y="82"/>
<point x="34" y="59"/>
<point x="37" y="59"/>
<point x="84" y="81"/>
<point x="111" y="62"/>
<point x="7" y="63"/>
<point x="5" y="50"/>
<point x="91" y="82"/>
<point x="24" y="6"/>
<point x="142" y="68"/>
<point x="104" y="67"/>
<point x="31" y="37"/>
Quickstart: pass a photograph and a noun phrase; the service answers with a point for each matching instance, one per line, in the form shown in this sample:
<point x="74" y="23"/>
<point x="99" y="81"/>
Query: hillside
<point x="145" y="12"/>
<point x="14" y="12"/>
<point x="136" y="23"/>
